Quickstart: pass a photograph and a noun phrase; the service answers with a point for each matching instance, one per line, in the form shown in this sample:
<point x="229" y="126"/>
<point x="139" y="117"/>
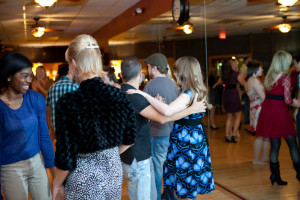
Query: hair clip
<point x="92" y="47"/>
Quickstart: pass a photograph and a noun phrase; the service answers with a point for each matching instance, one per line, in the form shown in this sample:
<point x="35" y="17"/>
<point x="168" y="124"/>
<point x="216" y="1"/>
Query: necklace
<point x="12" y="103"/>
<point x="5" y="100"/>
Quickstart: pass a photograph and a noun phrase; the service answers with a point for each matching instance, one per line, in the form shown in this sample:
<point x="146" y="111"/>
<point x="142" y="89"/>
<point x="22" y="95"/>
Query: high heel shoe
<point x="233" y="139"/>
<point x="227" y="139"/>
<point x="275" y="176"/>
<point x="277" y="180"/>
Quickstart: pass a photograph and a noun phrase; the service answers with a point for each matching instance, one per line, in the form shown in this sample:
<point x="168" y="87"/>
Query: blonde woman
<point x="41" y="83"/>
<point x="91" y="123"/>
<point x="188" y="169"/>
<point x="275" y="121"/>
<point x="256" y="94"/>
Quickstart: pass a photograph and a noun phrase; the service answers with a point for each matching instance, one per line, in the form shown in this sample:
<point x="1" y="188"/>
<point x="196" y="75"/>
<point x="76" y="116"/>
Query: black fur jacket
<point x="95" y="117"/>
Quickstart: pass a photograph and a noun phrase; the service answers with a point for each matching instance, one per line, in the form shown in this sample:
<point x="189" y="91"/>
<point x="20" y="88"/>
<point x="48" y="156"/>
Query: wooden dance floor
<point x="235" y="175"/>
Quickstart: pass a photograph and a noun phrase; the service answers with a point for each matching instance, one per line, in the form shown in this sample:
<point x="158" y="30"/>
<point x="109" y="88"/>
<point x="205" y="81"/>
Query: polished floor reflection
<point x="235" y="175"/>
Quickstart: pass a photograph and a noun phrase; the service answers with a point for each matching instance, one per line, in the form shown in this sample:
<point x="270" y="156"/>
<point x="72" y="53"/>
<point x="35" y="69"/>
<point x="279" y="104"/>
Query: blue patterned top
<point x="196" y="115"/>
<point x="299" y="81"/>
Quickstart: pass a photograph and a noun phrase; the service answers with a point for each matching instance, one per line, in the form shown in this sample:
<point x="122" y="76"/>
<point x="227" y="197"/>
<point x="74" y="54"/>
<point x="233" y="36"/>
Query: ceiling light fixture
<point x="284" y="28"/>
<point x="38" y="31"/>
<point x="188" y="28"/>
<point x="45" y="3"/>
<point x="287" y="2"/>
<point x="138" y="11"/>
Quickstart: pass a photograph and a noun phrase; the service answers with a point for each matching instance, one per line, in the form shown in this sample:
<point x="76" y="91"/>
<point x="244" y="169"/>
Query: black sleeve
<point x="136" y="103"/>
<point x="139" y="102"/>
<point x="128" y="117"/>
<point x="66" y="145"/>
<point x="130" y="129"/>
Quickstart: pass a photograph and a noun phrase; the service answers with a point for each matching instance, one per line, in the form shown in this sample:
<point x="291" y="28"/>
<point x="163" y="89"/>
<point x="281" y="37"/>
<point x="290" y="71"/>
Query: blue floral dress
<point x="188" y="168"/>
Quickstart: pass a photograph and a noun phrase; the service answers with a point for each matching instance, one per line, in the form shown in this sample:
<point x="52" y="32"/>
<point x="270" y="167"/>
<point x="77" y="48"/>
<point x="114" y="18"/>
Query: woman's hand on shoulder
<point x="134" y="91"/>
<point x="198" y="106"/>
<point x="160" y="98"/>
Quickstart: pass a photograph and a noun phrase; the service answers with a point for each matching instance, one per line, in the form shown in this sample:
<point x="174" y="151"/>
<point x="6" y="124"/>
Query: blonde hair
<point x="280" y="65"/>
<point x="189" y="77"/>
<point x="38" y="72"/>
<point x="169" y="74"/>
<point x="84" y="50"/>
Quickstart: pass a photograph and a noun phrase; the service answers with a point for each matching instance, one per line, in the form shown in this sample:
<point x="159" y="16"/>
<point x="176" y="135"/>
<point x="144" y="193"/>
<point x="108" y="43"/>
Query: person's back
<point x="61" y="87"/>
<point x="275" y="121"/>
<point x="93" y="126"/>
<point x="136" y="159"/>
<point x="166" y="88"/>
<point x="188" y="141"/>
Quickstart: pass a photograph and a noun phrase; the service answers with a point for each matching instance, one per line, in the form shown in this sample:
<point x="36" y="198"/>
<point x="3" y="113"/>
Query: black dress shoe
<point x="233" y="139"/>
<point x="227" y="139"/>
<point x="214" y="128"/>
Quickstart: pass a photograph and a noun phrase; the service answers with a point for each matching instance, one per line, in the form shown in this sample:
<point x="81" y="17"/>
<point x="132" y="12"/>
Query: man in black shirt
<point x="136" y="159"/>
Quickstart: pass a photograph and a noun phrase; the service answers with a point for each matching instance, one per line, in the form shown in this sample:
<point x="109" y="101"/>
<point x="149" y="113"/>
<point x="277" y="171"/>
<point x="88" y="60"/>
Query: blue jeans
<point x="159" y="150"/>
<point x="139" y="179"/>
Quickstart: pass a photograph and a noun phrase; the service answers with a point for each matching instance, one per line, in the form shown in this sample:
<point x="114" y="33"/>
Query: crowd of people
<point x="104" y="130"/>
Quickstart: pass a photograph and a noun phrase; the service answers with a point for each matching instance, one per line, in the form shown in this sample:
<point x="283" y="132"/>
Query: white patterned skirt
<point x="98" y="175"/>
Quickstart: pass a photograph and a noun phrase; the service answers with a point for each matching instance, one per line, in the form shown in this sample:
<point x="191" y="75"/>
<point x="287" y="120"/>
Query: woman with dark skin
<point x="24" y="133"/>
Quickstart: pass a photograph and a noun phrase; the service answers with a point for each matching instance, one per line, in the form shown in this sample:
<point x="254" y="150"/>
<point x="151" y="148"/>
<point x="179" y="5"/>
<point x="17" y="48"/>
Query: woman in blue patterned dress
<point x="188" y="169"/>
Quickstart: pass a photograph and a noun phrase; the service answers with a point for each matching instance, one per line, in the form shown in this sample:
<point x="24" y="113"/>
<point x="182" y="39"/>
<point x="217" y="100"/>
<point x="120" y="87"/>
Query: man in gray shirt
<point x="166" y="88"/>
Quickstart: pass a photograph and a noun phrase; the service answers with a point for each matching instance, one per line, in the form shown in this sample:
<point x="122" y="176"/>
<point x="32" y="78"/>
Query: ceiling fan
<point x="285" y="26"/>
<point x="47" y="3"/>
<point x="38" y="30"/>
<point x="187" y="28"/>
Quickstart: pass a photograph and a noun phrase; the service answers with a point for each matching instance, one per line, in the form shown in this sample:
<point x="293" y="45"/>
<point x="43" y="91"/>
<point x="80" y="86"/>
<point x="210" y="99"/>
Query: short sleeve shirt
<point x="141" y="149"/>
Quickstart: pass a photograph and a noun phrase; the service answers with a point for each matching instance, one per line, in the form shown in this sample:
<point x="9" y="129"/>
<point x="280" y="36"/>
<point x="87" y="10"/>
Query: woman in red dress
<point x="275" y="121"/>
